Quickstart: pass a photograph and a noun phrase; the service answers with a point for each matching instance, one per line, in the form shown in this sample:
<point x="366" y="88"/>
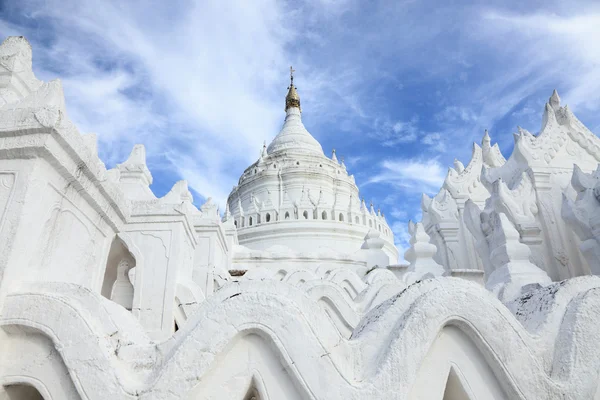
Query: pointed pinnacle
<point x="554" y="100"/>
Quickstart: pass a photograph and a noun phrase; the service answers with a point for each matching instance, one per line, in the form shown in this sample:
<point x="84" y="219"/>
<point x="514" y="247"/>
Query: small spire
<point x="485" y="142"/>
<point x="263" y="153"/>
<point x="227" y="213"/>
<point x="555" y="100"/>
<point x="333" y="156"/>
<point x="342" y="164"/>
<point x="292" y="99"/>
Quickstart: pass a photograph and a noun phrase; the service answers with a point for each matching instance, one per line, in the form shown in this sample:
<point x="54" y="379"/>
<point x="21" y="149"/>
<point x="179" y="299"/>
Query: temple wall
<point x="108" y="292"/>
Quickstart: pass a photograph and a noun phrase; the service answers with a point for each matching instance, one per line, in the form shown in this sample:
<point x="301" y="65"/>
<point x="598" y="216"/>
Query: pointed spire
<point x="292" y="99"/>
<point x="227" y="215"/>
<point x="333" y="156"/>
<point x="421" y="252"/>
<point x="372" y="209"/>
<point x="209" y="208"/>
<point x="554" y="100"/>
<point x="134" y="176"/>
<point x="137" y="162"/>
<point x="486" y="141"/>
<point x="363" y="205"/>
<point x="343" y="164"/>
<point x="425" y="202"/>
<point x="263" y="153"/>
<point x="293" y="135"/>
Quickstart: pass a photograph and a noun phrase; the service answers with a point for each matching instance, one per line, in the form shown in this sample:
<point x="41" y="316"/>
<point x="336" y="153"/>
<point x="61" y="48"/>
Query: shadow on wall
<point x="117" y="285"/>
<point x="20" y="392"/>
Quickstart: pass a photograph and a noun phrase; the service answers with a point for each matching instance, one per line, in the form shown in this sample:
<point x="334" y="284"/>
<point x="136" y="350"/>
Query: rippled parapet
<point x="272" y="339"/>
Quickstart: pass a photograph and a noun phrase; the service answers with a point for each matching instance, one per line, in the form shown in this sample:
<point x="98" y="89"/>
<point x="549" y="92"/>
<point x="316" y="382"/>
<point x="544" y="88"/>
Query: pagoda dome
<point x="297" y="197"/>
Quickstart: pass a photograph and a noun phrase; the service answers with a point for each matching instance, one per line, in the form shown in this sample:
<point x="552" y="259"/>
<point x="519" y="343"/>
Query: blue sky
<point x="398" y="88"/>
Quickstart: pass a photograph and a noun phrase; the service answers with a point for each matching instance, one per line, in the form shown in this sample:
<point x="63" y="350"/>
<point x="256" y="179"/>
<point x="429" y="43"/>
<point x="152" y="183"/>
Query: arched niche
<point x="456" y="369"/>
<point x="253" y="393"/>
<point x="455" y="387"/>
<point x="20" y="392"/>
<point x="117" y="285"/>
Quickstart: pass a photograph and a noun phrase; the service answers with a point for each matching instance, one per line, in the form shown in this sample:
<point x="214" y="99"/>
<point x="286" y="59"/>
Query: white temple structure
<point x="294" y="201"/>
<point x="108" y="292"/>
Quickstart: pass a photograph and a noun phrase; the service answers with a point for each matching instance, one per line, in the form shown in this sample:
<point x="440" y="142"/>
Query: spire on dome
<point x="227" y="215"/>
<point x="263" y="152"/>
<point x="293" y="134"/>
<point x="292" y="99"/>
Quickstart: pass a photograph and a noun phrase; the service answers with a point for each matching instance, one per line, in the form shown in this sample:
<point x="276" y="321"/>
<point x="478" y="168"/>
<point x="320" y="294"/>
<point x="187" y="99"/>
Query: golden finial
<point x="292" y="99"/>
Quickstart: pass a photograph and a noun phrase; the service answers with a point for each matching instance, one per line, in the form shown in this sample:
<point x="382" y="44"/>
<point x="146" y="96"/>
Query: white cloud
<point x="398" y="213"/>
<point x="411" y="175"/>
<point x="139" y="73"/>
<point x="452" y="114"/>
<point x="390" y="134"/>
<point x="353" y="161"/>
<point x="210" y="73"/>
<point x="435" y="141"/>
<point x="431" y="138"/>
<point x="564" y="47"/>
<point x="202" y="84"/>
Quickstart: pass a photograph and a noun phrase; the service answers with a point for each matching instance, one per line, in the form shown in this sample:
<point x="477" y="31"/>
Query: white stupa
<point x="295" y="196"/>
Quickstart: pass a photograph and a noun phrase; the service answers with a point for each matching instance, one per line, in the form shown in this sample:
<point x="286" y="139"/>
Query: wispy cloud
<point x="201" y="84"/>
<point x="412" y="175"/>
<point x="391" y="134"/>
<point x="563" y="47"/>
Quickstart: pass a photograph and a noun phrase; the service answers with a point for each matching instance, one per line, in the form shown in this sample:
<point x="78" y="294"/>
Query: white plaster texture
<point x="108" y="292"/>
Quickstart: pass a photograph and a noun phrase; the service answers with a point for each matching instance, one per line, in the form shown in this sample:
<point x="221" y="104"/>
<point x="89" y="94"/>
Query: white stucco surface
<point x="108" y="292"/>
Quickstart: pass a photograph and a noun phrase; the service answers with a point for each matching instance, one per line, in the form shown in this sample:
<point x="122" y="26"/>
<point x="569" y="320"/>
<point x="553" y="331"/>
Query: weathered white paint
<point x="96" y="272"/>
